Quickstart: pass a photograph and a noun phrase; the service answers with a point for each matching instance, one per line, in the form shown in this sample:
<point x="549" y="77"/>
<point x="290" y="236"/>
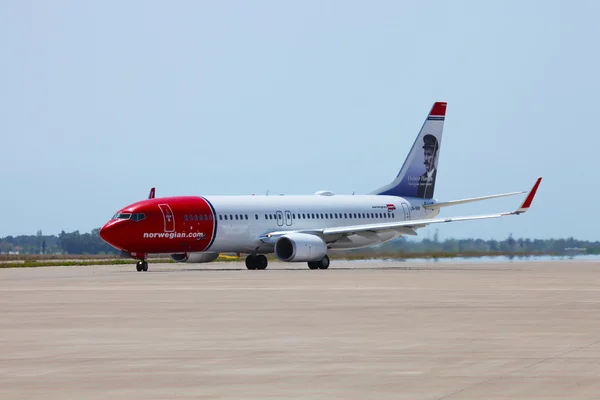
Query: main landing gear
<point x="142" y="266"/>
<point x="321" y="264"/>
<point x="258" y="261"/>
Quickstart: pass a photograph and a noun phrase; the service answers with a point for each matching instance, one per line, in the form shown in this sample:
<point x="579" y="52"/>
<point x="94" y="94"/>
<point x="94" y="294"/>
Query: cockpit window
<point x="138" y="216"/>
<point x="122" y="216"/>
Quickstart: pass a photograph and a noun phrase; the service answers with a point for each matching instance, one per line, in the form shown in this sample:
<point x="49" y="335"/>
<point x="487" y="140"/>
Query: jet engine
<point x="300" y="247"/>
<point x="194" y="257"/>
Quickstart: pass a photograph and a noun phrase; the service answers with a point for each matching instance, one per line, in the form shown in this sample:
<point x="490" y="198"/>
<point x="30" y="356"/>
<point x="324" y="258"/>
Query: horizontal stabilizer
<point x="471" y="200"/>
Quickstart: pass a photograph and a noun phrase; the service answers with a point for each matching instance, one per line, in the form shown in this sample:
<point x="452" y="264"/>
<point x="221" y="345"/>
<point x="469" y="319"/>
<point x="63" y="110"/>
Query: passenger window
<point x="210" y="217"/>
<point x="231" y="217"/>
<point x="266" y="216"/>
<point x="270" y="216"/>
<point x="246" y="215"/>
<point x="256" y="215"/>
<point x="225" y="217"/>
<point x="393" y="215"/>
<point x="326" y="217"/>
<point x="195" y="217"/>
<point x="236" y="217"/>
<point x="185" y="217"/>
<point x="220" y="217"/>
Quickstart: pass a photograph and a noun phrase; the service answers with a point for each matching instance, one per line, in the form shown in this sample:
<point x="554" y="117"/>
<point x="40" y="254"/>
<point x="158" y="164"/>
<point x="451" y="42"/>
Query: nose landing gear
<point x="142" y="266"/>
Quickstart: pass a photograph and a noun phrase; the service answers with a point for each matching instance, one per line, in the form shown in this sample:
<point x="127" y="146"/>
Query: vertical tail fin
<point x="418" y="173"/>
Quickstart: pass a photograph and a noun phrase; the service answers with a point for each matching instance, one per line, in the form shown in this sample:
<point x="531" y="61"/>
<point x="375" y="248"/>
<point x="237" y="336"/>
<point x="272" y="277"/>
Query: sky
<point x="100" y="101"/>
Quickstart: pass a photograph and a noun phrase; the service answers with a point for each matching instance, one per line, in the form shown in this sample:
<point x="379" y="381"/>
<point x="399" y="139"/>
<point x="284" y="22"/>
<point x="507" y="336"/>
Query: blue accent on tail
<point x="419" y="172"/>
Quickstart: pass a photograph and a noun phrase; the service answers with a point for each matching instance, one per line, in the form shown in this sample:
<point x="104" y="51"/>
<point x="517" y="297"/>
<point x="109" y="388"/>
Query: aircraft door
<point x="279" y="216"/>
<point x="168" y="217"/>
<point x="406" y="210"/>
<point x="288" y="218"/>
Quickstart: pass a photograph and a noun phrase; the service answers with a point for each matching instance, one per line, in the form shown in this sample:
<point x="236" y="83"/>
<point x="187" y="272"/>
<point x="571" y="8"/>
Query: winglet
<point x="527" y="203"/>
<point x="151" y="195"/>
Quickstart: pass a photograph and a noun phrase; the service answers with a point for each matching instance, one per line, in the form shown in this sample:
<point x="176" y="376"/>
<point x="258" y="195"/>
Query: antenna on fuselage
<point x="267" y="192"/>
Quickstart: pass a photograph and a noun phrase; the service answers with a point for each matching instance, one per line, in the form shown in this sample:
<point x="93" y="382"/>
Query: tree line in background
<point x="64" y="243"/>
<point x="92" y="243"/>
<point x="509" y="245"/>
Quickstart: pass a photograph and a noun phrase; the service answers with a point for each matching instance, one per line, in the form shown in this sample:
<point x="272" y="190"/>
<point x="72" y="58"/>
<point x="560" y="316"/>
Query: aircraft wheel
<point x="324" y="263"/>
<point x="313" y="264"/>
<point x="261" y="261"/>
<point x="144" y="266"/>
<point x="138" y="266"/>
<point x="251" y="262"/>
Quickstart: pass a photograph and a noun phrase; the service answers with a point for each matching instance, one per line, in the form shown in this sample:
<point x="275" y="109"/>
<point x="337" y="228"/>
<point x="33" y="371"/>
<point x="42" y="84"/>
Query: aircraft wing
<point x="406" y="227"/>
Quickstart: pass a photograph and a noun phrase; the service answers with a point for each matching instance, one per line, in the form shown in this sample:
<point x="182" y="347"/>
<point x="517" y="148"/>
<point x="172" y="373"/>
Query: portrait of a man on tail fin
<point x="427" y="180"/>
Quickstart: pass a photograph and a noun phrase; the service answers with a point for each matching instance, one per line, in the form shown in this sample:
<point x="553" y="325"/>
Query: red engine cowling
<point x="203" y="257"/>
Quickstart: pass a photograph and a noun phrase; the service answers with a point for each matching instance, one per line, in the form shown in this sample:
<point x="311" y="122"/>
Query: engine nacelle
<point x="194" y="257"/>
<point x="300" y="247"/>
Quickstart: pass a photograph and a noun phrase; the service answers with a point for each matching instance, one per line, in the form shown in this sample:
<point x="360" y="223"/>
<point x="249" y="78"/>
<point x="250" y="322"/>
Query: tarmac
<point x="360" y="330"/>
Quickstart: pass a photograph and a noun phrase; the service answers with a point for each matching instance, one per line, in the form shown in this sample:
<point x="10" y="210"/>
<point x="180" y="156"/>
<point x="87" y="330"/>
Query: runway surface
<point x="360" y="330"/>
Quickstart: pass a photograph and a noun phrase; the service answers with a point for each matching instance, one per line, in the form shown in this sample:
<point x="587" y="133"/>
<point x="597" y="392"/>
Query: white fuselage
<point x="242" y="220"/>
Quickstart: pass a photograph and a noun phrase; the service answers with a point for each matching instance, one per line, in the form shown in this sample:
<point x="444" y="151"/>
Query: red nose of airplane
<point x="110" y="233"/>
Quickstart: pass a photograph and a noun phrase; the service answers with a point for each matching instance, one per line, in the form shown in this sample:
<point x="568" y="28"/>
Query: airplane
<point x="296" y="228"/>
